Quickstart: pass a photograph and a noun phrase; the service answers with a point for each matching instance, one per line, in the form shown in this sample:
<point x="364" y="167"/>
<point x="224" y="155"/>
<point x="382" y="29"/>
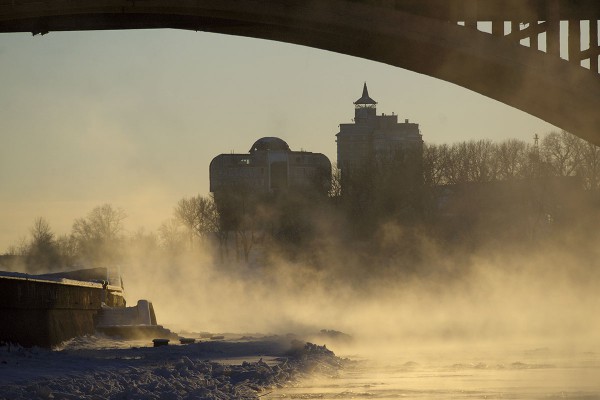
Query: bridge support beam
<point x="515" y="26"/>
<point x="534" y="41"/>
<point x="471" y="15"/>
<point x="553" y="30"/>
<point x="560" y="92"/>
<point x="575" y="42"/>
<point x="594" y="45"/>
<point x="498" y="28"/>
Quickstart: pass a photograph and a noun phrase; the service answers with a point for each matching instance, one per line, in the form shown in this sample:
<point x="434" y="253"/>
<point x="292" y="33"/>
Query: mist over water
<point x="416" y="296"/>
<point x="502" y="318"/>
<point x="548" y="293"/>
<point x="424" y="318"/>
<point x="507" y="321"/>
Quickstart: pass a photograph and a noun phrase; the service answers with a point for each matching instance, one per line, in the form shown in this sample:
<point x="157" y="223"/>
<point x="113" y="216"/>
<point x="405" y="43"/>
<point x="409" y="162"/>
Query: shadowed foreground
<point x="202" y="370"/>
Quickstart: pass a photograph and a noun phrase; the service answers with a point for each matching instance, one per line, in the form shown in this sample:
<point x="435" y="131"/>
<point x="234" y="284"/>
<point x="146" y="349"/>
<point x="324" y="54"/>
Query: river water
<point x="514" y="372"/>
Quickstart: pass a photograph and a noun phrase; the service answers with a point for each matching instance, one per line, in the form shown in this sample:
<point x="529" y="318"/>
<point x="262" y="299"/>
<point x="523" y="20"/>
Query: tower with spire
<point x="365" y="107"/>
<point x="373" y="138"/>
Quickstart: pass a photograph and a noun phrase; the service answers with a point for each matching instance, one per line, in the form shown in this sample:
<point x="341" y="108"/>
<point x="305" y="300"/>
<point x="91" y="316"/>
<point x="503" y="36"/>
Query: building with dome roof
<point x="270" y="166"/>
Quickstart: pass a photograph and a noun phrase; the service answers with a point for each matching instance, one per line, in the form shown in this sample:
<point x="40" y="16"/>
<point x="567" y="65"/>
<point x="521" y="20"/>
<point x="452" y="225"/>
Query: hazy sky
<point x="133" y="118"/>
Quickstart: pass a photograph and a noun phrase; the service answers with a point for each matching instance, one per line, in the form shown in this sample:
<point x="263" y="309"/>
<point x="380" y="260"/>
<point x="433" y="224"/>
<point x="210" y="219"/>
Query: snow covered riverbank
<point x="207" y="370"/>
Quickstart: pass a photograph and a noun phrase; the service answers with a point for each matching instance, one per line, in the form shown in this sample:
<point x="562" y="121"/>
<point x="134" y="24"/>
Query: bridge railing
<point x="555" y="37"/>
<point x="533" y="23"/>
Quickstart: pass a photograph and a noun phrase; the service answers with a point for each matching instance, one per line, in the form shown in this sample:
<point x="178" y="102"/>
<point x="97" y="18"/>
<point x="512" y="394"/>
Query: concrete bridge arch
<point x="422" y="36"/>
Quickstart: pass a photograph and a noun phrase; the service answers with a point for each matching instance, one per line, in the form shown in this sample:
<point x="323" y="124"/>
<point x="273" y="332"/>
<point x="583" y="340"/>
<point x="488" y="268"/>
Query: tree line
<point x="557" y="154"/>
<point x="239" y="225"/>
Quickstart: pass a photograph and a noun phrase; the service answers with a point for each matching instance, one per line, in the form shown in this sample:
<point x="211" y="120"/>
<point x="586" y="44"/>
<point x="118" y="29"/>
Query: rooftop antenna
<point x="536" y="155"/>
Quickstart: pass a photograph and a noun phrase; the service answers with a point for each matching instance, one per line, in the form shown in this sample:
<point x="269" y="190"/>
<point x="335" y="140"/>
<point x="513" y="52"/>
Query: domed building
<point x="268" y="167"/>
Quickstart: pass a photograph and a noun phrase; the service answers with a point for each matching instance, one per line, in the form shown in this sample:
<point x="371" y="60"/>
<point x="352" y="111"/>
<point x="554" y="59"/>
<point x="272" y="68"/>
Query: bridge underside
<point x="555" y="90"/>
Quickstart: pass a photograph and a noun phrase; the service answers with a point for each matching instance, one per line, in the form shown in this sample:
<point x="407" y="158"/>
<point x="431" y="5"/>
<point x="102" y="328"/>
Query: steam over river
<point x="99" y="367"/>
<point x="482" y="373"/>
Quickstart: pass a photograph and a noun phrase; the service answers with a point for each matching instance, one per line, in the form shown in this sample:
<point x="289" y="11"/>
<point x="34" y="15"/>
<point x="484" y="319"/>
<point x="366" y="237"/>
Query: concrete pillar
<point x="594" y="45"/>
<point x="553" y="29"/>
<point x="574" y="41"/>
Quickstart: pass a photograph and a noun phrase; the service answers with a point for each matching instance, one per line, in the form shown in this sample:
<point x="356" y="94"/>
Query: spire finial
<point x="365" y="99"/>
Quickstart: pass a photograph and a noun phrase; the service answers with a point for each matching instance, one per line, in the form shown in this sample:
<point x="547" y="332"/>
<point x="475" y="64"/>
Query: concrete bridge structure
<point x="518" y="62"/>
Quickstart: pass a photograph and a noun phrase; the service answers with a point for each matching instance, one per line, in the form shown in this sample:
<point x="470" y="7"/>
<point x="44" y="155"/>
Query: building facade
<point x="377" y="139"/>
<point x="270" y="166"/>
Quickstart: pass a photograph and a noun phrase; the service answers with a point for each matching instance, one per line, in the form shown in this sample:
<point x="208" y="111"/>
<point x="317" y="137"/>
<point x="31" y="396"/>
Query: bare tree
<point x="512" y="159"/>
<point x="103" y="222"/>
<point x="171" y="237"/>
<point x="590" y="167"/>
<point x="335" y="190"/>
<point x="208" y="217"/>
<point x="562" y="152"/>
<point x="455" y="163"/>
<point x="42" y="252"/>
<point x="199" y="215"/>
<point x="41" y="234"/>
<point x="433" y="164"/>
<point x="246" y="237"/>
<point x="236" y="209"/>
<point x="98" y="235"/>
<point x="480" y="161"/>
<point x="67" y="248"/>
<point x="185" y="213"/>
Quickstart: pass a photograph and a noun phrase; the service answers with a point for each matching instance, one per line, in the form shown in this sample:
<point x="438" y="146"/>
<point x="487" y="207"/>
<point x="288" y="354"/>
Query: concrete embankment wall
<point x="44" y="313"/>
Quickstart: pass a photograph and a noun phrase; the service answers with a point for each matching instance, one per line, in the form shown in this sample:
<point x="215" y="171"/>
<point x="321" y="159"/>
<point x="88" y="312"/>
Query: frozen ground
<point x="99" y="368"/>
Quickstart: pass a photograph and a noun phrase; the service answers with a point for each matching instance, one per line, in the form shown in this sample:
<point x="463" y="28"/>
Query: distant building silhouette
<point x="270" y="166"/>
<point x="373" y="138"/>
